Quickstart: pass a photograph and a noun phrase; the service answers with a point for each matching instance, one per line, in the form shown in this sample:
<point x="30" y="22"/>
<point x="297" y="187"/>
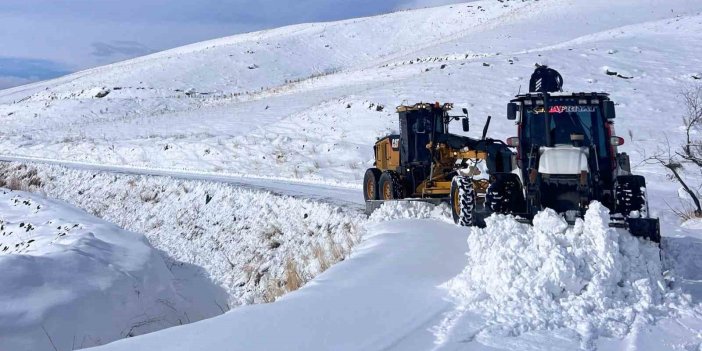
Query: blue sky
<point x="41" y="39"/>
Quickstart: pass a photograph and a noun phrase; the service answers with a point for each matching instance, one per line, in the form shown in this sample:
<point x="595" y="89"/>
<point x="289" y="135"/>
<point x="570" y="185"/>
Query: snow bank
<point x="255" y="244"/>
<point x="70" y="280"/>
<point x="393" y="210"/>
<point x="595" y="280"/>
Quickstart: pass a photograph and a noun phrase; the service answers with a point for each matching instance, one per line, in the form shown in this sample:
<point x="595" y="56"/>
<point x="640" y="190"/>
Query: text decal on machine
<point x="563" y="109"/>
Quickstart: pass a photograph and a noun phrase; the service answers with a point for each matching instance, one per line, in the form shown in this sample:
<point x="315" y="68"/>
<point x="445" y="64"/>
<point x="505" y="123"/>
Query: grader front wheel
<point x="463" y="201"/>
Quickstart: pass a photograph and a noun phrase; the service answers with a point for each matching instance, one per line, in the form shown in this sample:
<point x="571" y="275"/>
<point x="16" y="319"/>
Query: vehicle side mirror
<point x="466" y="124"/>
<point x="616" y="141"/>
<point x="512" y="109"/>
<point x="609" y="110"/>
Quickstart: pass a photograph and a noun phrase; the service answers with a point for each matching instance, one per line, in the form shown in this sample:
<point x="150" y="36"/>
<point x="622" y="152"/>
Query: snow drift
<point x="394" y="210"/>
<point x="70" y="280"/>
<point x="256" y="245"/>
<point x="595" y="280"/>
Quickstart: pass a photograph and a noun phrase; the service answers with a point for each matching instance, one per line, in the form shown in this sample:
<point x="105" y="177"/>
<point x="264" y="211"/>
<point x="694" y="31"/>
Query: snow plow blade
<point x="647" y="228"/>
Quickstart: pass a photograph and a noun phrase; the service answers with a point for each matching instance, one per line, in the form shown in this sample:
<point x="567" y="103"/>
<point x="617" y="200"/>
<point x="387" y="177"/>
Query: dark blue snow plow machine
<point x="565" y="157"/>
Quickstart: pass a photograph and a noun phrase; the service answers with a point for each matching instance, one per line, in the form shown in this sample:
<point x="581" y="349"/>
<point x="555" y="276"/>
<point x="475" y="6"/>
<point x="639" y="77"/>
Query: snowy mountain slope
<point x="281" y="54"/>
<point x="75" y="281"/>
<point x="188" y="109"/>
<point x="321" y="128"/>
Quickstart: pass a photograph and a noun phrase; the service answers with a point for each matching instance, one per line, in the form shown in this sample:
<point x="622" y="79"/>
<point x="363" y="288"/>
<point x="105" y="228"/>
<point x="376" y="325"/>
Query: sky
<point x="43" y="39"/>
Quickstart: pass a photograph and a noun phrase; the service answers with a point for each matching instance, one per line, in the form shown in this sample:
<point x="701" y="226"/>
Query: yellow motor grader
<point x="427" y="163"/>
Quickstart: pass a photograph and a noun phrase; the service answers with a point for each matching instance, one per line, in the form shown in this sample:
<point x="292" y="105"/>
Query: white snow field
<point x="188" y="108"/>
<point x="391" y="294"/>
<point x="70" y="280"/>
<point x="296" y="110"/>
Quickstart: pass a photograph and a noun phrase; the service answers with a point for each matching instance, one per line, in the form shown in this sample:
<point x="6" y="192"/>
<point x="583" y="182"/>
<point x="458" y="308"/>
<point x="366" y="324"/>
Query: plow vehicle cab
<point x="567" y="157"/>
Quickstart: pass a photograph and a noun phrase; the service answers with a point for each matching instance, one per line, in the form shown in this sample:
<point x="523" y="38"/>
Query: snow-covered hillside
<point x="70" y="280"/>
<point x="305" y="104"/>
<point x="200" y="107"/>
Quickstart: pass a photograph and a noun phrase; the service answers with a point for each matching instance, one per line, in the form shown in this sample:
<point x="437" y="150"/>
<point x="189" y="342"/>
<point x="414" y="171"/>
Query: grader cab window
<point x="428" y="123"/>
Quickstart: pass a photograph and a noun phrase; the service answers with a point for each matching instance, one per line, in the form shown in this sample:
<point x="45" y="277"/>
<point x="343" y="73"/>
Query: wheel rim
<point x="456" y="202"/>
<point x="387" y="191"/>
<point x="370" y="189"/>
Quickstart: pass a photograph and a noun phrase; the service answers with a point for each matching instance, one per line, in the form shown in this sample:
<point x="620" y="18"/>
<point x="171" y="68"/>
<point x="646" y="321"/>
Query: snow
<point x="384" y="296"/>
<point x="589" y="278"/>
<point x="76" y="281"/>
<point x="402" y="289"/>
<point x="253" y="244"/>
<point x="318" y="126"/>
<point x="295" y="110"/>
<point x="403" y="209"/>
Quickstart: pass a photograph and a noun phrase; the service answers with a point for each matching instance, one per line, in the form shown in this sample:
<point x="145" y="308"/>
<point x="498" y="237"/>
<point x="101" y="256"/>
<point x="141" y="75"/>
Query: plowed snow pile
<point x="393" y="210"/>
<point x="589" y="278"/>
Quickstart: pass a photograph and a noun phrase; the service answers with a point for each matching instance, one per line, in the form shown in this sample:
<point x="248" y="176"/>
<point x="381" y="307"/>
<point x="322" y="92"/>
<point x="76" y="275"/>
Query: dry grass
<point x="334" y="252"/>
<point x="20" y="177"/>
<point x="291" y="281"/>
<point x="14" y="183"/>
<point x="685" y="211"/>
<point x="149" y="196"/>
<point x="320" y="255"/>
<point x="325" y="254"/>
<point x="35" y="181"/>
<point x="272" y="292"/>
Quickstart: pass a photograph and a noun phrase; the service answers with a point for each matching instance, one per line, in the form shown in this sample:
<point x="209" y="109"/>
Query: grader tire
<point x="390" y="186"/>
<point x="370" y="184"/>
<point x="463" y="201"/>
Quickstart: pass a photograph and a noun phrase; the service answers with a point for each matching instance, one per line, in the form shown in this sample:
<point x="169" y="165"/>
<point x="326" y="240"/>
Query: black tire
<point x="630" y="196"/>
<point x="505" y="195"/>
<point x="370" y="184"/>
<point x="463" y="201"/>
<point x="390" y="186"/>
